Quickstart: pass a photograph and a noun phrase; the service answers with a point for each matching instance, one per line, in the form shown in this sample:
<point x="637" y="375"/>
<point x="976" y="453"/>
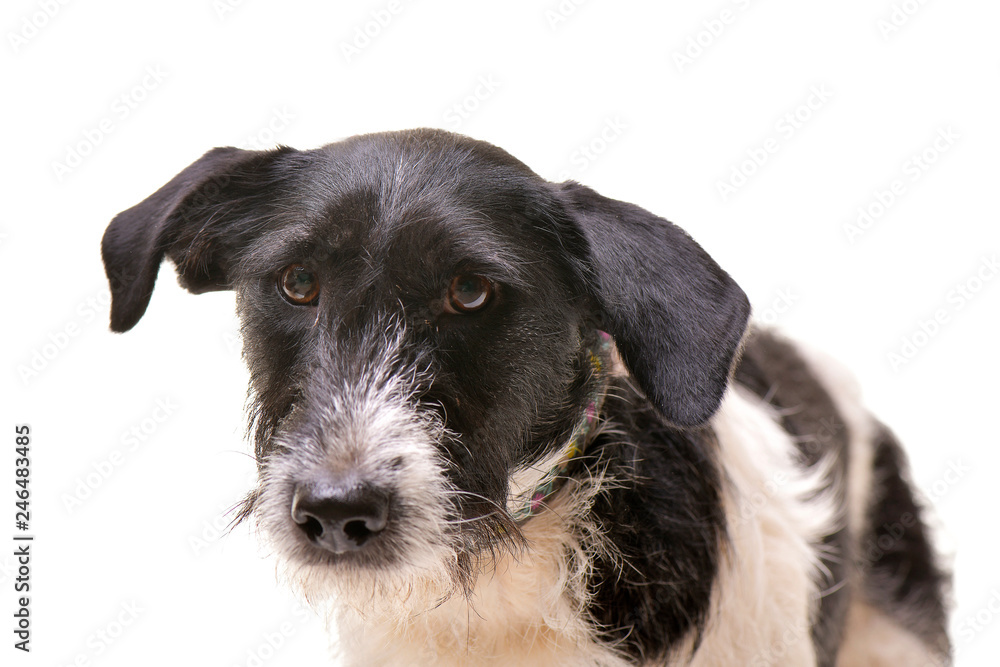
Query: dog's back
<point x="881" y="593"/>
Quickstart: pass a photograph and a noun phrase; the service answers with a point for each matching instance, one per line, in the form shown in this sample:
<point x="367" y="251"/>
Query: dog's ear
<point x="185" y="220"/>
<point x="677" y="318"/>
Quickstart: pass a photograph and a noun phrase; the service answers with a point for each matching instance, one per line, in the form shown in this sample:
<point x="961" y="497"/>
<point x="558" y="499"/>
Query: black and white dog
<point x="500" y="420"/>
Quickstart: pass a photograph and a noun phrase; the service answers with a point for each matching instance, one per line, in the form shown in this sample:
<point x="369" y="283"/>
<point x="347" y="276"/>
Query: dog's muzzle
<point x="339" y="513"/>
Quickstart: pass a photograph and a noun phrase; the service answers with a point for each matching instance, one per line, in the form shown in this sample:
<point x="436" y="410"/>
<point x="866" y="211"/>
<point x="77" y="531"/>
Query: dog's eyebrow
<point x="471" y="241"/>
<point x="276" y="248"/>
<point x="466" y="241"/>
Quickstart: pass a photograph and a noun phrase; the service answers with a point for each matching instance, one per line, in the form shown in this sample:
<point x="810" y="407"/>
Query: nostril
<point x="358" y="531"/>
<point x="311" y="527"/>
<point x="339" y="514"/>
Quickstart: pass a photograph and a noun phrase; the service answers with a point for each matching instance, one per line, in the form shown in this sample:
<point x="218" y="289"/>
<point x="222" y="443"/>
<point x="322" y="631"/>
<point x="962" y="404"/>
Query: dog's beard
<point x="440" y="537"/>
<point x="439" y="555"/>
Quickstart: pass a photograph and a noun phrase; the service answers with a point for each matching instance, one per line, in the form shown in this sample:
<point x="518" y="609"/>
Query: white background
<point x="605" y="76"/>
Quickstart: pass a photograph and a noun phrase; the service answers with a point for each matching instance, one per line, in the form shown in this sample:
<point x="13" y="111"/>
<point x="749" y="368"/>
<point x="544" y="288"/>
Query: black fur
<point x="677" y="318"/>
<point x="223" y="188"/>
<point x="665" y="520"/>
<point x="901" y="574"/>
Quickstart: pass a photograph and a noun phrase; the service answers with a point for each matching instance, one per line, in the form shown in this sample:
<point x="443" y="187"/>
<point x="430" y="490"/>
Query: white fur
<point x="766" y="589"/>
<point x="524" y="610"/>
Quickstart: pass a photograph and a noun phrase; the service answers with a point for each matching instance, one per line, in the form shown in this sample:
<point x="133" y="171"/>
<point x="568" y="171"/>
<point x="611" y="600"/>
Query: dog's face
<point x="416" y="310"/>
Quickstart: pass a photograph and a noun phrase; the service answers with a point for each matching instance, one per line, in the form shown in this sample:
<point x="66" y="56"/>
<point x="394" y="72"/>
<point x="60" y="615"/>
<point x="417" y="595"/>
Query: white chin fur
<point x="373" y="430"/>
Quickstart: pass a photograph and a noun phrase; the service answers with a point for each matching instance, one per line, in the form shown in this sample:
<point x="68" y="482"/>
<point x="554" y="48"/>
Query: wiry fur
<point x="718" y="514"/>
<point x="527" y="607"/>
<point x="369" y="423"/>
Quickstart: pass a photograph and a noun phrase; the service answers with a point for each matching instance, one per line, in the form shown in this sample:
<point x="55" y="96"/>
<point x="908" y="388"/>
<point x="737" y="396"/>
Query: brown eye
<point x="468" y="294"/>
<point x="299" y="285"/>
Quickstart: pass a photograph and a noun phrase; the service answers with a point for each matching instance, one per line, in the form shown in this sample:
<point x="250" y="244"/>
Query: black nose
<point x="339" y="515"/>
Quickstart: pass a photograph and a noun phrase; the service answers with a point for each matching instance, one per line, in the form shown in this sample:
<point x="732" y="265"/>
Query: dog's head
<point x="416" y="310"/>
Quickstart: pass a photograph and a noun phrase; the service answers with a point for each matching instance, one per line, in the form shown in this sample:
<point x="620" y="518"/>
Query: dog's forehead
<point x="427" y="195"/>
<point x="401" y="175"/>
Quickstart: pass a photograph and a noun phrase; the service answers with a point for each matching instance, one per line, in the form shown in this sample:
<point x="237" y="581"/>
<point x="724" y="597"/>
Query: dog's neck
<point x="527" y="499"/>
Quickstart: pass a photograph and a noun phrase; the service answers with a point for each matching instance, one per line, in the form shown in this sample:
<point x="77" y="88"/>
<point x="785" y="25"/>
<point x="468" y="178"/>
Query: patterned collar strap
<point x="529" y="502"/>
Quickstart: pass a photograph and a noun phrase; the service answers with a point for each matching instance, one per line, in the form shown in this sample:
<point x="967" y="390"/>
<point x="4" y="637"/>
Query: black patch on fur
<point x="900" y="569"/>
<point x="667" y="522"/>
<point x="223" y="188"/>
<point x="773" y="369"/>
<point x="677" y="318"/>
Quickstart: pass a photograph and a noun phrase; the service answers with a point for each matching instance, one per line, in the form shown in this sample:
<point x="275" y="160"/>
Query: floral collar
<point x="529" y="501"/>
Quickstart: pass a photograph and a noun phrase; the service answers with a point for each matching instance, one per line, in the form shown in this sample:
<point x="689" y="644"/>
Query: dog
<point x="500" y="420"/>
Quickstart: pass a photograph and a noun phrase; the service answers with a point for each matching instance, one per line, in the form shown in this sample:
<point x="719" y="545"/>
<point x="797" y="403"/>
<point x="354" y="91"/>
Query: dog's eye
<point x="468" y="294"/>
<point x="299" y="285"/>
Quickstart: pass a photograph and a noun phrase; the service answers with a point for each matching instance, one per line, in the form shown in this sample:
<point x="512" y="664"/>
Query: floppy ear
<point x="184" y="221"/>
<point x="677" y="318"/>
